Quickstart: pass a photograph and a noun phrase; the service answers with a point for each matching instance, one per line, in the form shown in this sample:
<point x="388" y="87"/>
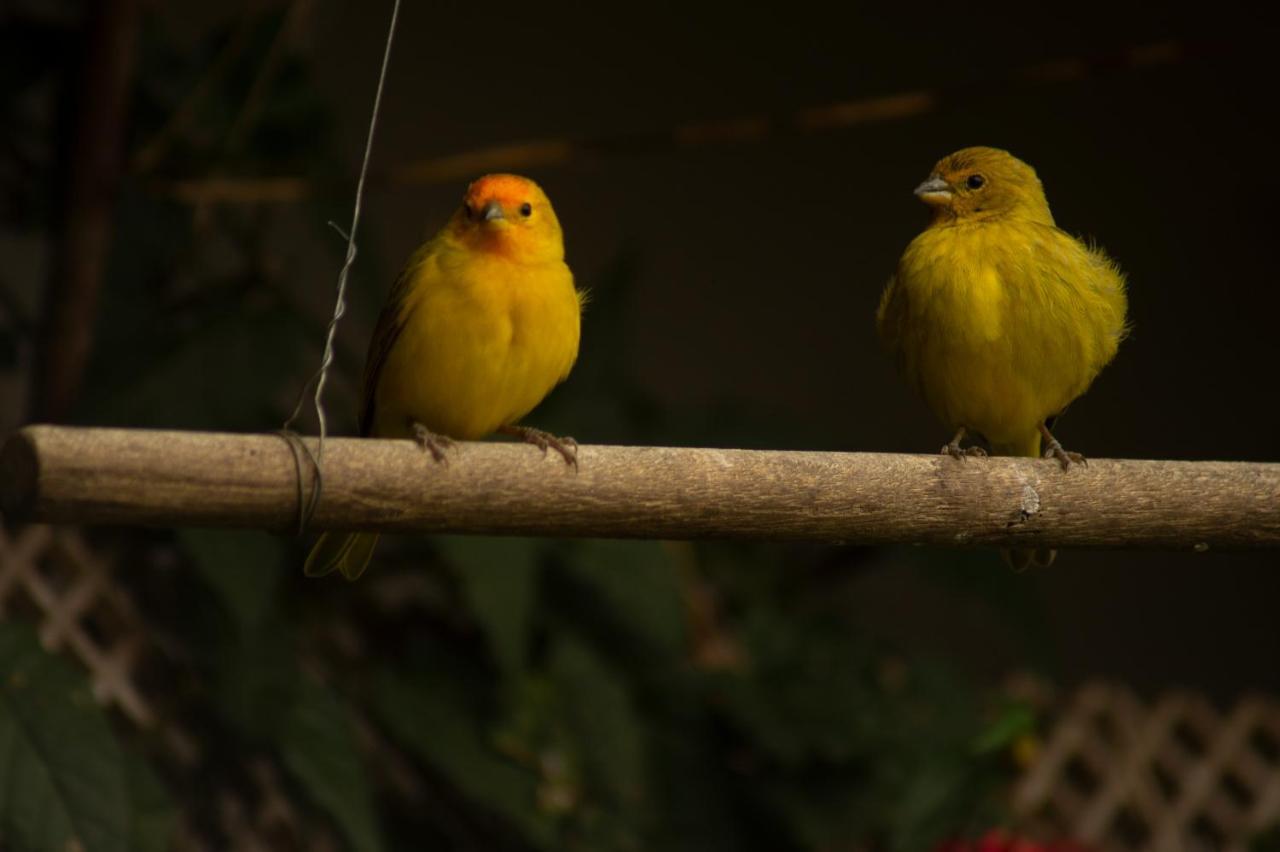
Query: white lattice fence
<point x="1172" y="775"/>
<point x="1115" y="772"/>
<point x="80" y="608"/>
<point x="53" y="577"/>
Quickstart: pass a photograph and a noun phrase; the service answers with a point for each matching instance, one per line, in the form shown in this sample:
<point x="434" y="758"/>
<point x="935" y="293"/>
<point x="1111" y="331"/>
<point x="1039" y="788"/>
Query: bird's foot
<point x="433" y="443"/>
<point x="959" y="453"/>
<point x="567" y="447"/>
<point x="1066" y="458"/>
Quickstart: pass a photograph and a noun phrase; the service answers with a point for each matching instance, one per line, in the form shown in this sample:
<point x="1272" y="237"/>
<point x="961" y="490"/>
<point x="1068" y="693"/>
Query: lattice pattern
<point x="1177" y="775"/>
<point x="79" y="607"/>
<point x="267" y="821"/>
<point x="51" y="576"/>
<point x="1114" y="772"/>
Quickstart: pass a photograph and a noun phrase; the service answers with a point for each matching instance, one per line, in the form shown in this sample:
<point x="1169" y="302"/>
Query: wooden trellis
<point x="1176" y="774"/>
<point x="1114" y="772"/>
<point x="78" y="607"/>
<point x="53" y="577"/>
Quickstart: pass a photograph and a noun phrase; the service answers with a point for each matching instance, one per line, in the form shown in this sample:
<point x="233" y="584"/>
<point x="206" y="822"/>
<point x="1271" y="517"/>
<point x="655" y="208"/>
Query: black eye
<point x="975" y="181"/>
<point x="526" y="209"/>
<point x="466" y="210"/>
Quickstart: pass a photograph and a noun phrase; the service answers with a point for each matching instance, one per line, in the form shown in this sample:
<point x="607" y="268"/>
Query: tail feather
<point x="1028" y="447"/>
<point x="1020" y="559"/>
<point x="348" y="553"/>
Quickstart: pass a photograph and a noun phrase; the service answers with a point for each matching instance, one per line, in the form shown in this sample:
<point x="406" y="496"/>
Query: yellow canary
<point x="996" y="316"/>
<point x="482" y="323"/>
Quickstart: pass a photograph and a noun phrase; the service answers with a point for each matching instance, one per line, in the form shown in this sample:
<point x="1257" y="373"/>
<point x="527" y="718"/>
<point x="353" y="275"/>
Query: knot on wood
<point x="1030" y="502"/>
<point x="1027" y="508"/>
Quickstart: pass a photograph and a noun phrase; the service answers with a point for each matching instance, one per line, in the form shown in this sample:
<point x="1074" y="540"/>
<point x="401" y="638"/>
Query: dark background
<point x="733" y="290"/>
<point x="759" y="264"/>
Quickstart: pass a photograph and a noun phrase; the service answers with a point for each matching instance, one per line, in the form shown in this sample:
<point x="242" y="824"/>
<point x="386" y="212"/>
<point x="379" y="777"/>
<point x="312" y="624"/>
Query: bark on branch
<point x="121" y="476"/>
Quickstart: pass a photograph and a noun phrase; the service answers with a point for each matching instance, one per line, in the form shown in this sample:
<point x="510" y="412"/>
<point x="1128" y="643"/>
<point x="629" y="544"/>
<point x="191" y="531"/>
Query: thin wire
<point x="340" y="307"/>
<point x="306" y="503"/>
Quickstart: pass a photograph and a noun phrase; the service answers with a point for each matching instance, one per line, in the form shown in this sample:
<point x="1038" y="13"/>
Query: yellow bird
<point x="996" y="316"/>
<point x="482" y="323"/>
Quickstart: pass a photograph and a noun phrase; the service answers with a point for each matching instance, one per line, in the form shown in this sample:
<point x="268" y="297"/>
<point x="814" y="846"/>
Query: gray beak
<point x="491" y="211"/>
<point x="933" y="186"/>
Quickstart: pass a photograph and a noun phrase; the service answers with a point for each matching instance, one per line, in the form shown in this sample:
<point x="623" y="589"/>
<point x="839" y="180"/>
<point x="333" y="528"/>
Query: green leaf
<point x="242" y="568"/>
<point x="62" y="774"/>
<point x="694" y="784"/>
<point x="8" y="347"/>
<point x="602" y="722"/>
<point x="153" y="818"/>
<point x="258" y="680"/>
<point x="499" y="578"/>
<point x="936" y="799"/>
<point x="637" y="582"/>
<point x="1267" y="841"/>
<point x="1016" y="721"/>
<point x="318" y="744"/>
<point x="807" y="695"/>
<point x="169" y="380"/>
<point x="981" y="580"/>
<point x="432" y="720"/>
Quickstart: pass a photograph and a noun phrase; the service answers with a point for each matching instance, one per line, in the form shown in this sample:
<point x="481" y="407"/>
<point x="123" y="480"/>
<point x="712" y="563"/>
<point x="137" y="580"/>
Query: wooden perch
<point x="173" y="479"/>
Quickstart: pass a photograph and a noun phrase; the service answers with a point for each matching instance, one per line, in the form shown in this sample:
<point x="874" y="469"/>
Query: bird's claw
<point x="567" y="447"/>
<point x="959" y="453"/>
<point x="1066" y="458"/>
<point x="432" y="443"/>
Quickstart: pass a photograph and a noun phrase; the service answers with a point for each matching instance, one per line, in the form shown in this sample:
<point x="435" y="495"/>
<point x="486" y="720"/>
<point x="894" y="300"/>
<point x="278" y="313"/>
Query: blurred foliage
<point x="67" y="782"/>
<point x="1266" y="841"/>
<point x="469" y="692"/>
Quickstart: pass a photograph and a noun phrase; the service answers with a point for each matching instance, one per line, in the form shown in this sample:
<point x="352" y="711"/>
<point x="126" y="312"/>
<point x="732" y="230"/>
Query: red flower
<point x="998" y="840"/>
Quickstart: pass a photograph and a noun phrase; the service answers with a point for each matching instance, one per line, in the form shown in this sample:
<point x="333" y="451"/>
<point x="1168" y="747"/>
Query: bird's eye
<point x="466" y="210"/>
<point x="975" y="181"/>
<point x="526" y="209"/>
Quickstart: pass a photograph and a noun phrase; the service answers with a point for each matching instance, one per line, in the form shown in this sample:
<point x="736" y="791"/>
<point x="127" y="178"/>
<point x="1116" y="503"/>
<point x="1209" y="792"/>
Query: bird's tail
<point x="1020" y="559"/>
<point x="346" y="552"/>
<point x="1029" y="447"/>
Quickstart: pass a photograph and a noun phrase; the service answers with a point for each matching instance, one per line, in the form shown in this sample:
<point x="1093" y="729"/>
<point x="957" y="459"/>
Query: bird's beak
<point x="934" y="191"/>
<point x="492" y="211"/>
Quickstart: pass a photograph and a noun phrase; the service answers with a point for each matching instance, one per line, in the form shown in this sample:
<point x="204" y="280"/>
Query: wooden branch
<point x="120" y="476"/>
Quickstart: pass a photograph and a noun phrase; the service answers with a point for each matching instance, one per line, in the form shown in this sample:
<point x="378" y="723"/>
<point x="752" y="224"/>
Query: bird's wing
<point x="891" y="318"/>
<point x="391" y="322"/>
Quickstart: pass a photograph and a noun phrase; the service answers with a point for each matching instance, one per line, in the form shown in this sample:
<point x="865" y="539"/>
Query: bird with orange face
<point x="999" y="318"/>
<point x="482" y="323"/>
